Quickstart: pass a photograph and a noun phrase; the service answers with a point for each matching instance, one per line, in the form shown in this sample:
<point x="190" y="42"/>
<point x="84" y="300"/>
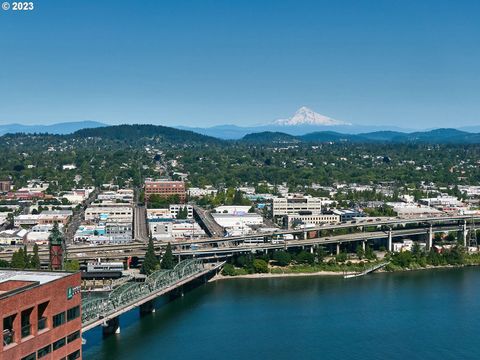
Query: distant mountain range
<point x="135" y="133"/>
<point x="437" y="136"/>
<point x="60" y="128"/>
<point x="304" y="121"/>
<point x="304" y="126"/>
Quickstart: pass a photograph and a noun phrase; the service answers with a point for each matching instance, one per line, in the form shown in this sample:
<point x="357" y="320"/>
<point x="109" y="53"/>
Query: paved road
<point x="211" y="227"/>
<point x="140" y="224"/>
<point x="77" y="218"/>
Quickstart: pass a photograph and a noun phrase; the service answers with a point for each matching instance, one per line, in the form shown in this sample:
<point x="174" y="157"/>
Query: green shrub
<point x="260" y="266"/>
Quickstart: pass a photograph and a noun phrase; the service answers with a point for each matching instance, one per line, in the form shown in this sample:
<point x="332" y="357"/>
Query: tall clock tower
<point x="57" y="248"/>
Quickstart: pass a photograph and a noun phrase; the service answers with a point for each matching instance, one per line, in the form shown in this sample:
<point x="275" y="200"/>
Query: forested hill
<point x="133" y="133"/>
<point x="269" y="136"/>
<point x="437" y="136"/>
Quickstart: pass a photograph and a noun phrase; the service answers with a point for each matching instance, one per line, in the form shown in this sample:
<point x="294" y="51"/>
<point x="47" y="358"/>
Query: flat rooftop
<point x="15" y="281"/>
<point x="42" y="277"/>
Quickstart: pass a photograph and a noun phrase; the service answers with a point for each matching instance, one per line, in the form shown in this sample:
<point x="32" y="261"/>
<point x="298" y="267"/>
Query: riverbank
<point x="276" y="275"/>
<point x="329" y="273"/>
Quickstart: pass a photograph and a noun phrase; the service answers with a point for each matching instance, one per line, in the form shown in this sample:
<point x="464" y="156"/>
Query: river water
<point x="412" y="315"/>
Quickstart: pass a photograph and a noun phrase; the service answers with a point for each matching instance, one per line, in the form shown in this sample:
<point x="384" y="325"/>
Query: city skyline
<point x="377" y="63"/>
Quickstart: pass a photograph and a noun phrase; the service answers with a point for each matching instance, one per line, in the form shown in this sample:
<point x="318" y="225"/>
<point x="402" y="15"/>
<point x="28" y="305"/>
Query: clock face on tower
<point x="56" y="253"/>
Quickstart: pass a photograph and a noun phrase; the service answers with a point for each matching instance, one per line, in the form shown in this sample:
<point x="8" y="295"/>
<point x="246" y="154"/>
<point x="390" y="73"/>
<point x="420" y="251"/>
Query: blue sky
<point x="201" y="63"/>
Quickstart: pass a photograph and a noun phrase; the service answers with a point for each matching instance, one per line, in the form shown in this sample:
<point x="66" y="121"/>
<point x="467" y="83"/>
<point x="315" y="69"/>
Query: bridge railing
<point x="131" y="292"/>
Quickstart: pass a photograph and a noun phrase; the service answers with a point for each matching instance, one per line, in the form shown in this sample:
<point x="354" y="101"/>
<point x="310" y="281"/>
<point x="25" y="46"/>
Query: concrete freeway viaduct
<point x="222" y="247"/>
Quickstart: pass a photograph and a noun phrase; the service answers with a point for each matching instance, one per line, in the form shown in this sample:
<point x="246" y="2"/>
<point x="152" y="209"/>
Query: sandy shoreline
<point x="270" y="275"/>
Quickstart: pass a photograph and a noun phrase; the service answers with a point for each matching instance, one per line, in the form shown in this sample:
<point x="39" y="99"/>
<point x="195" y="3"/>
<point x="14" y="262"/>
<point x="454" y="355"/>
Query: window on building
<point x="32" y="356"/>
<point x="59" y="343"/>
<point x="59" y="319"/>
<point x="74" y="355"/>
<point x="73" y="313"/>
<point x="8" y="332"/>
<point x="42" y="320"/>
<point x="42" y="316"/>
<point x="44" y="351"/>
<point x="73" y="336"/>
<point x="25" y="322"/>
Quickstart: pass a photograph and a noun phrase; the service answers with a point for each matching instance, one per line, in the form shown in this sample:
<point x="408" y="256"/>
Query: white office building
<point x="238" y="224"/>
<point x="313" y="219"/>
<point x="198" y="192"/>
<point x="233" y="209"/>
<point x="109" y="213"/>
<point x="297" y="204"/>
<point x="175" y="208"/>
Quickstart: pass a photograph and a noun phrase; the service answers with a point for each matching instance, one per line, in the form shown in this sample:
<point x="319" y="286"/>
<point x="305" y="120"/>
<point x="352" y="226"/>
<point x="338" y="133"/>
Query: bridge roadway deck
<point x="309" y="242"/>
<point x="140" y="224"/>
<point x="211" y="227"/>
<point x="358" y="224"/>
<point x="252" y="247"/>
<point x="209" y="268"/>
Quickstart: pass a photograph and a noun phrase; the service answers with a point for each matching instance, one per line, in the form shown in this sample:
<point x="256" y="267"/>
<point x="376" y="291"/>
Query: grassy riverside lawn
<point x="329" y="268"/>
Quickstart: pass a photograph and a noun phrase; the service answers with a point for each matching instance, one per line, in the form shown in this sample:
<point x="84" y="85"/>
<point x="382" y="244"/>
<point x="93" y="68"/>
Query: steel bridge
<point x="106" y="310"/>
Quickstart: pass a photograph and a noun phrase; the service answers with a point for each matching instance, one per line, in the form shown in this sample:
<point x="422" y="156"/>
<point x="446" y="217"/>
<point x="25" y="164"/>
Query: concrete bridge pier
<point x="364" y="245"/>
<point x="429" y="243"/>
<point x="147" y="308"/>
<point x="176" y="293"/>
<point x="390" y="245"/>
<point x="338" y="248"/>
<point x="112" y="326"/>
<point x="465" y="233"/>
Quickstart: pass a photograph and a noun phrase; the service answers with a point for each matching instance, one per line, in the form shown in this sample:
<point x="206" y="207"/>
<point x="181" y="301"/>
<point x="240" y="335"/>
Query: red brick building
<point x="40" y="315"/>
<point x="165" y="189"/>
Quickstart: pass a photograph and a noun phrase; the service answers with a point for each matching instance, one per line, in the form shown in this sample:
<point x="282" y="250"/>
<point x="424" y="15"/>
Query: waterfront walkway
<point x="367" y="271"/>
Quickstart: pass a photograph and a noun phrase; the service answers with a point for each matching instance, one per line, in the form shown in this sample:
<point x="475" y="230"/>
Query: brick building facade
<point x="165" y="189"/>
<point x="40" y="315"/>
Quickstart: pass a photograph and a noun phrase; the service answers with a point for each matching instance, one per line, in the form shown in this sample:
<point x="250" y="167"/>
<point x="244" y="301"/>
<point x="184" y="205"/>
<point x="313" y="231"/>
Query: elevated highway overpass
<point x="225" y="249"/>
<point x="361" y="231"/>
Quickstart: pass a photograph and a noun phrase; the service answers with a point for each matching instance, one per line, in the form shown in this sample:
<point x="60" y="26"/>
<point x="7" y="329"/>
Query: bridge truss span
<point x="129" y="295"/>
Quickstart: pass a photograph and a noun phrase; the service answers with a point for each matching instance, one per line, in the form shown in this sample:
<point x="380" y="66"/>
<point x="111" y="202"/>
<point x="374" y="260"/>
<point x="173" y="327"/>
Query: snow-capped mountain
<point x="306" y="116"/>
